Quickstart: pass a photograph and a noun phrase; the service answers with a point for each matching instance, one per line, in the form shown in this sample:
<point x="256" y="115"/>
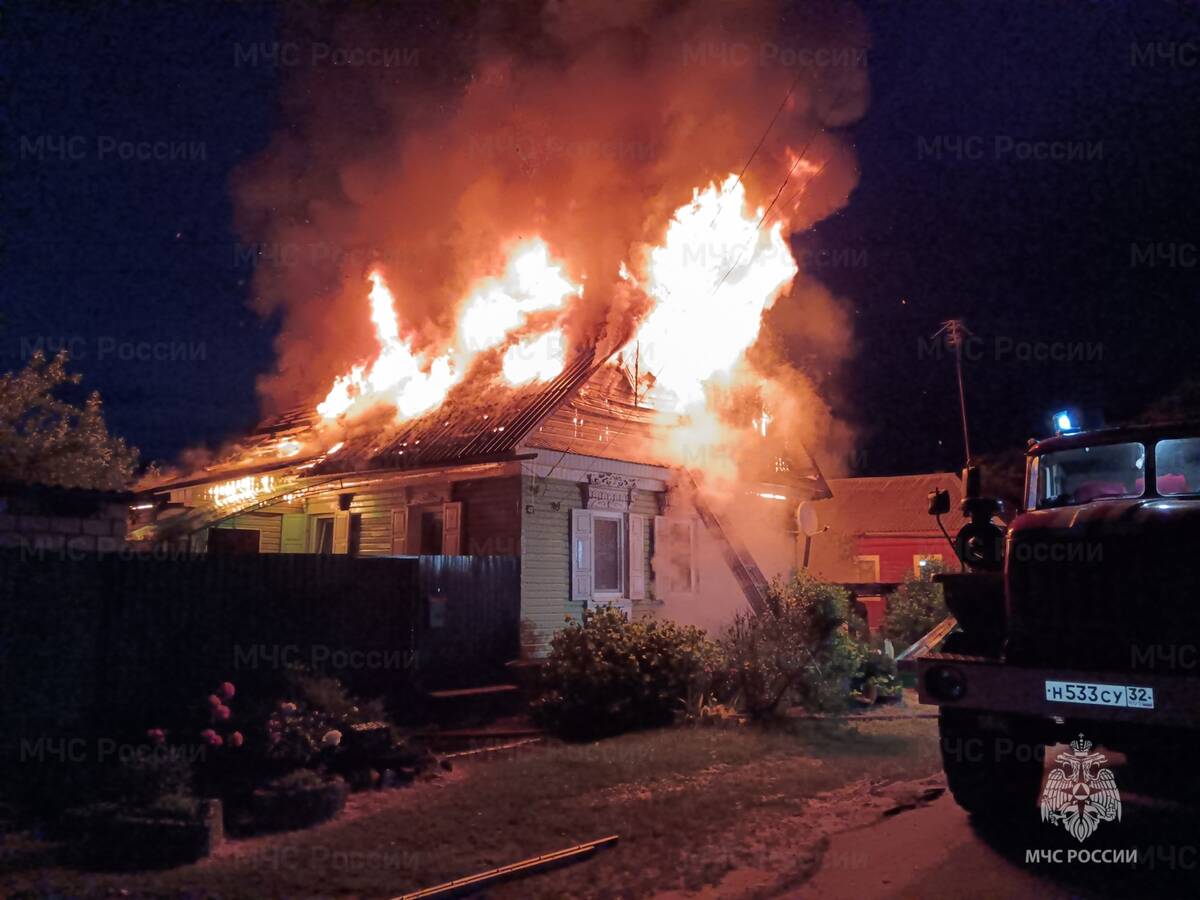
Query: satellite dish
<point x="806" y="519"/>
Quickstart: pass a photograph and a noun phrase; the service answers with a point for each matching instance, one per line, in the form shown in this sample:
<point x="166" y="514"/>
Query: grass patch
<point x="669" y="794"/>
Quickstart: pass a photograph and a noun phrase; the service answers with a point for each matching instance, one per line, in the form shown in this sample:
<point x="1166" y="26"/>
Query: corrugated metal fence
<point x="113" y="641"/>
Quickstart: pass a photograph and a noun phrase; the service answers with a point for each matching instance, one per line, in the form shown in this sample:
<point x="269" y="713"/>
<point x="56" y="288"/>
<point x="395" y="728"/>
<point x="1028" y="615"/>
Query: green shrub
<point x="296" y="780"/>
<point x="144" y="778"/>
<point x="180" y="807"/>
<point x="328" y="694"/>
<point x="606" y="675"/>
<point x="797" y="651"/>
<point x="876" y="678"/>
<point x="914" y="608"/>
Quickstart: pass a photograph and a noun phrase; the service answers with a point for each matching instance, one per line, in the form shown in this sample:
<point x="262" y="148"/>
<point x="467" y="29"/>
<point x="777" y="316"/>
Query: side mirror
<point x="972" y="479"/>
<point x="939" y="502"/>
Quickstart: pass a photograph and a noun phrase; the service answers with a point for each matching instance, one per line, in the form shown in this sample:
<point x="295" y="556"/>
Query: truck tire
<point x="994" y="774"/>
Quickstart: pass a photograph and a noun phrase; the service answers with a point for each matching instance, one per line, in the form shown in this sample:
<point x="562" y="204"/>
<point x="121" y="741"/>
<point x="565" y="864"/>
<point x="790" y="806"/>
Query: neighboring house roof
<point x="892" y="506"/>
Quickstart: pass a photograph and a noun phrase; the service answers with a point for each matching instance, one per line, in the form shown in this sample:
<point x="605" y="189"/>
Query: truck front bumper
<point x="989" y="685"/>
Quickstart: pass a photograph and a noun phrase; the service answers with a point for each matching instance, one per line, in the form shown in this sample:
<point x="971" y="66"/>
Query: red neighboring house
<point x="878" y="533"/>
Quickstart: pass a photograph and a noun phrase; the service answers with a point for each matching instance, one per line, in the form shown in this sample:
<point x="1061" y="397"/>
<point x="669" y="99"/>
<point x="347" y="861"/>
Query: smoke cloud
<point x="463" y="128"/>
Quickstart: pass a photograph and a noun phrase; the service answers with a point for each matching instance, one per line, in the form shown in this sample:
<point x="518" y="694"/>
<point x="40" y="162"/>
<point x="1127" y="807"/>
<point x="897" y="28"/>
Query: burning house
<point x="520" y="314"/>
<point x="577" y="472"/>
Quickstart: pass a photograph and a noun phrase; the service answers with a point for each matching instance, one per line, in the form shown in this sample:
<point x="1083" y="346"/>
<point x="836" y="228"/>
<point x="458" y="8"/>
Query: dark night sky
<point x="1039" y="256"/>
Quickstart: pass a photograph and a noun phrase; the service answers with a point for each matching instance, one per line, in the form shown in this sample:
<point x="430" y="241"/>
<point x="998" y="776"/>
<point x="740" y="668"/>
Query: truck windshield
<point x="1072" y="477"/>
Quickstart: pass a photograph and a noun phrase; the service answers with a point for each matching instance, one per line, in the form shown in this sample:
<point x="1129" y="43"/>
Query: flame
<point x="489" y="316"/>
<point x="540" y="358"/>
<point x="396" y="373"/>
<point x="715" y="275"/>
<point x="719" y="268"/>
<point x="531" y="283"/>
<point x="240" y="490"/>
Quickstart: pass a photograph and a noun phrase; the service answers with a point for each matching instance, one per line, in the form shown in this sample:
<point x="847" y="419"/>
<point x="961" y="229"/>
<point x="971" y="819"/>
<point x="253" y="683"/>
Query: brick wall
<point x="48" y="522"/>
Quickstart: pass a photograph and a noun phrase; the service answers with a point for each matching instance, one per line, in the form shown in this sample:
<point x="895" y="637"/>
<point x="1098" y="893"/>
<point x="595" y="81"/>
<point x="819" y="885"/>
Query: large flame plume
<point x="491" y="316"/>
<point x="545" y="176"/>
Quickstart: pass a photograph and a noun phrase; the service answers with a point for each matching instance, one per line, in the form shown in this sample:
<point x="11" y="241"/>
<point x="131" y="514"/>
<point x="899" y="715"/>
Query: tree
<point x="46" y="438"/>
<point x="1179" y="405"/>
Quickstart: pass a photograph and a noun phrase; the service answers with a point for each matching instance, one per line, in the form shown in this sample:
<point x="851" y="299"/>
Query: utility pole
<point x="955" y="331"/>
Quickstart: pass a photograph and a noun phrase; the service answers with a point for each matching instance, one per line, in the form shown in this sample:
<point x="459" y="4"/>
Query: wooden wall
<point x="268" y="525"/>
<point x="491" y="516"/>
<point x="546" y="555"/>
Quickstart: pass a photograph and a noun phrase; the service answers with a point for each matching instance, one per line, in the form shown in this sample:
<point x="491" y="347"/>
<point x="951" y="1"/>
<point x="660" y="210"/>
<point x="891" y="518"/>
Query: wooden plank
<point x="930" y="641"/>
<point x="474" y="692"/>
<point x="473" y="883"/>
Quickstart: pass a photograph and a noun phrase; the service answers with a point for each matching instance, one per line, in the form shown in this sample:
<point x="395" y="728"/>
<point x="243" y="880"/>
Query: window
<point x="1177" y="466"/>
<point x="1103" y="472"/>
<point x="676" y="552"/>
<point x="924" y="564"/>
<point x="866" y="569"/>
<point x="608" y="543"/>
<point x="681" y="568"/>
<point x="431" y="523"/>
<point x="323" y="535"/>
<point x="232" y="541"/>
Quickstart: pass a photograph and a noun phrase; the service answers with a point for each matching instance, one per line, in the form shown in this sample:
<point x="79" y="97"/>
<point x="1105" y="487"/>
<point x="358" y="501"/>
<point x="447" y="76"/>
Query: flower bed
<point x="109" y="837"/>
<point x="298" y="800"/>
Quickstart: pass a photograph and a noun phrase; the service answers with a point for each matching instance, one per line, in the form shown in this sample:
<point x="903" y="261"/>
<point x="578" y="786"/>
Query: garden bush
<point x="877" y="677"/>
<point x="298" y="800"/>
<point x="914" y="608"/>
<point x="606" y="675"/>
<point x="798" y="651"/>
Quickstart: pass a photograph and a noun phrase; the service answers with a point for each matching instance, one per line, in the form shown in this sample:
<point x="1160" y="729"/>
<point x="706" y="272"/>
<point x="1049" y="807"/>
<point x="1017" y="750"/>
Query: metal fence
<point x="116" y="641"/>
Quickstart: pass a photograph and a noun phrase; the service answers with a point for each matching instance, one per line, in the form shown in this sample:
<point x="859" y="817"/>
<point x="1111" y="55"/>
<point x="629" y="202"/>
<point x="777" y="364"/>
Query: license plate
<point x="1126" y="695"/>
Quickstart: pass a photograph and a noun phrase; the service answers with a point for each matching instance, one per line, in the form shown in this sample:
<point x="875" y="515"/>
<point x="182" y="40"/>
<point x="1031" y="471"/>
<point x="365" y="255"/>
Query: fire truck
<point x="1081" y="617"/>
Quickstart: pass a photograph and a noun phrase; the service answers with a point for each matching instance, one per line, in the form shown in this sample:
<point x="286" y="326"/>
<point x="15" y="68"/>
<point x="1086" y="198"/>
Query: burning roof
<point x="490" y="275"/>
<point x="590" y="408"/>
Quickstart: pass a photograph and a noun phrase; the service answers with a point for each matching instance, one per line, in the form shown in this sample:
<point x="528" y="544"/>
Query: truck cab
<point x="1091" y="623"/>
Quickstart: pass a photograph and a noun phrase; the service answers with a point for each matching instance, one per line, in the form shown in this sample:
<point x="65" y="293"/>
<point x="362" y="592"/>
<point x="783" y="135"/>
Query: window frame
<point x="872" y="558"/>
<point x="693" y="587"/>
<point x="1152" y="458"/>
<point x="609" y="593"/>
<point x="315" y="534"/>
<point x="1038" y="491"/>
<point x="928" y="557"/>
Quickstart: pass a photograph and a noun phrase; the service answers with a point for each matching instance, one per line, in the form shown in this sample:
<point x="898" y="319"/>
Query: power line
<point x="761" y="141"/>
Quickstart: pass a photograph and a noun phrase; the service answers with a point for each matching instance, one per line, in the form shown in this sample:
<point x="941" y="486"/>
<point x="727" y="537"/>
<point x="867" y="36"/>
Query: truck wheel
<point x="993" y="774"/>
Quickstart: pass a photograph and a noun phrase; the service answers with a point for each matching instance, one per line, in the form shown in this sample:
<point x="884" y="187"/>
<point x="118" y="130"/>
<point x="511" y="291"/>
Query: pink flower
<point x="157" y="735"/>
<point x="214" y="701"/>
<point x="222" y="713"/>
<point x="211" y="738"/>
<point x="276" y="737"/>
<point x="236" y="739"/>
<point x="227" y="690"/>
<point x="332" y="738"/>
